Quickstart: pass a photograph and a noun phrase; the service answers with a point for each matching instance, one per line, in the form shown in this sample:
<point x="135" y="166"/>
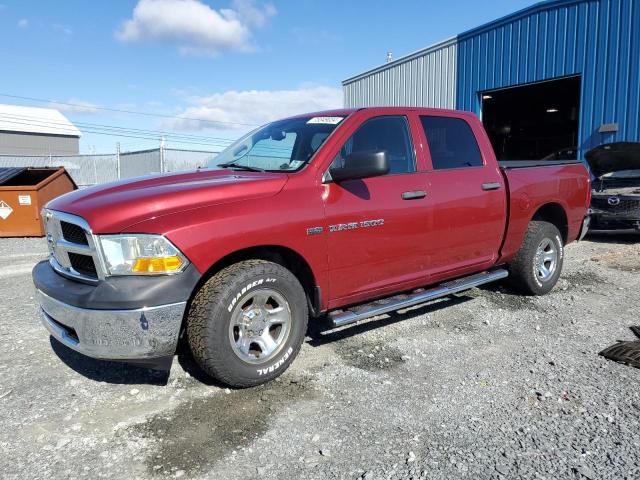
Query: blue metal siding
<point x="598" y="39"/>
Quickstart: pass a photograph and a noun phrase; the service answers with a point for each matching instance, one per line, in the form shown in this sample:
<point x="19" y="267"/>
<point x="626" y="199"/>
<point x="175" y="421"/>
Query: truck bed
<point x="511" y="164"/>
<point x="533" y="183"/>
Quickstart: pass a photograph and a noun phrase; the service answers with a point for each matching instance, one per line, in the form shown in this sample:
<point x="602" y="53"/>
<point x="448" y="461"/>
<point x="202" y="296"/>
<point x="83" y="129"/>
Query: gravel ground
<point x="484" y="385"/>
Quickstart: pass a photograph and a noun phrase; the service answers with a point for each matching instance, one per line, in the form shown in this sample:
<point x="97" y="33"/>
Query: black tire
<point x="523" y="269"/>
<point x="210" y="316"/>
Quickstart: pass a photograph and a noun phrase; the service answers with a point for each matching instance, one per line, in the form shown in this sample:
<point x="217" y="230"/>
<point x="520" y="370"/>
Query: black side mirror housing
<point x="361" y="165"/>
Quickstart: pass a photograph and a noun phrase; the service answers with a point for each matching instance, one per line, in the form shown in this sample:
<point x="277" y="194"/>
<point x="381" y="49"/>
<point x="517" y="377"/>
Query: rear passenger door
<point x="466" y="195"/>
<point x="375" y="228"/>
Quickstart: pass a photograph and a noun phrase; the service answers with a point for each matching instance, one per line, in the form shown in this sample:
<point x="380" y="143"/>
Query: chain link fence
<point x="87" y="170"/>
<point x="136" y="164"/>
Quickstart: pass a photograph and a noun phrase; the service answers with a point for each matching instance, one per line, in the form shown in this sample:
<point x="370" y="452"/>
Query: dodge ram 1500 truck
<point x="344" y="215"/>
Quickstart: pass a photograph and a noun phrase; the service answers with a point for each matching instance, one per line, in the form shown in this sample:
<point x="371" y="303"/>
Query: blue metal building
<point x="594" y="42"/>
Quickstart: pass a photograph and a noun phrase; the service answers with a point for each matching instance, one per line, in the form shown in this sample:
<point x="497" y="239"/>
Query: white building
<point x="36" y="131"/>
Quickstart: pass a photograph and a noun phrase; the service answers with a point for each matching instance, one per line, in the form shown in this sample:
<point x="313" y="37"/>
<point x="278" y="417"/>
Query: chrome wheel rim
<point x="546" y="260"/>
<point x="260" y="326"/>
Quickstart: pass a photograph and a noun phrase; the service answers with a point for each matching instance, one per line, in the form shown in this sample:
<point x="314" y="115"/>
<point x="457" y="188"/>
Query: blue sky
<point x="230" y="63"/>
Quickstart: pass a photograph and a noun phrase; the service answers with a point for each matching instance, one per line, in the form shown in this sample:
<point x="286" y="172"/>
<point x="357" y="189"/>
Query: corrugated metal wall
<point x="599" y="40"/>
<point x="17" y="143"/>
<point x="176" y="160"/>
<point x="89" y="170"/>
<point x="84" y="169"/>
<point x="425" y="78"/>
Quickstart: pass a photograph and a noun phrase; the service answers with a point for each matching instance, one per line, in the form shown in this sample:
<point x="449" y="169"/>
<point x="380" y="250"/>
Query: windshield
<point x="285" y="145"/>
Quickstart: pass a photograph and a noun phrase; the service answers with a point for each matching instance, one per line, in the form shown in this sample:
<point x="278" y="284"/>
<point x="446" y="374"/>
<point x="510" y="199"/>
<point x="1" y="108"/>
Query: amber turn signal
<point x="155" y="265"/>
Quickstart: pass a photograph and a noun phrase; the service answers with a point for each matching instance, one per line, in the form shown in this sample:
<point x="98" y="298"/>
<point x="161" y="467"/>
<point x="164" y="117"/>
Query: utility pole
<point x="95" y="169"/>
<point x="118" y="160"/>
<point x="162" y="166"/>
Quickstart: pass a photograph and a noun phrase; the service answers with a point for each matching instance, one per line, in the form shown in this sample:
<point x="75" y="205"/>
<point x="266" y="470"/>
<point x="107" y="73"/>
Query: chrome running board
<point x="340" y="318"/>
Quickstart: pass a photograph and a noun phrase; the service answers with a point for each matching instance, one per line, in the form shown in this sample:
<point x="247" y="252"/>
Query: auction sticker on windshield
<point x="326" y="120"/>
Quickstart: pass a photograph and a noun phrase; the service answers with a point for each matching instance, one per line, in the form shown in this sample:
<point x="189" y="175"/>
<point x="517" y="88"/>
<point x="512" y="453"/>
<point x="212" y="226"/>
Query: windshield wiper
<point x="240" y="167"/>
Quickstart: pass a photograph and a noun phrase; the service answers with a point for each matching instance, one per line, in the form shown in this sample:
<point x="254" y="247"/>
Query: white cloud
<point x="195" y="27"/>
<point x="23" y="23"/>
<point x="58" y="27"/>
<point x="75" y="106"/>
<point x="247" y="12"/>
<point x="240" y="109"/>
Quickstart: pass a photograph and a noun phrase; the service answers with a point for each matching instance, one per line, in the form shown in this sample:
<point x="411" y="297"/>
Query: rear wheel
<point x="247" y="323"/>
<point x="537" y="265"/>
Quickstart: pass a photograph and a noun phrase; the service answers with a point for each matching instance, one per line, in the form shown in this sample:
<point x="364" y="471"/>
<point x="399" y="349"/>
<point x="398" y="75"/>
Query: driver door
<point x="376" y="226"/>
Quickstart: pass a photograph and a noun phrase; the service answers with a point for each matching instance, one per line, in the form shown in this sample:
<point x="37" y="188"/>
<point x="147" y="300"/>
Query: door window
<point x="451" y="142"/>
<point x="389" y="133"/>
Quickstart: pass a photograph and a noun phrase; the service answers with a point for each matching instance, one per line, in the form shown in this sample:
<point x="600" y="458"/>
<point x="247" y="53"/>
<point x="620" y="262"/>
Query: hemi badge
<point x="314" y="230"/>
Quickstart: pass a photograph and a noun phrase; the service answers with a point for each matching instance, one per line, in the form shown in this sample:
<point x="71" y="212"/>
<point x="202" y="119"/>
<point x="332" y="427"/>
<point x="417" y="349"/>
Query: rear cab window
<point x="452" y="143"/>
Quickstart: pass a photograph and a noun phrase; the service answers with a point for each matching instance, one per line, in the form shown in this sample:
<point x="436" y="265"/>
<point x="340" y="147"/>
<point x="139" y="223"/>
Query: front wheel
<point x="537" y="265"/>
<point x="247" y="323"/>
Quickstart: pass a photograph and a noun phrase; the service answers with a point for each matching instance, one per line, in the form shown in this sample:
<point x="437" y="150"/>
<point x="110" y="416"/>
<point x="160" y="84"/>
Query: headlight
<point x="141" y="255"/>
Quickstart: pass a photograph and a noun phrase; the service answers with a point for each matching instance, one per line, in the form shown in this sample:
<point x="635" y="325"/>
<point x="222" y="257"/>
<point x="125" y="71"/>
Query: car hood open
<point x="614" y="157"/>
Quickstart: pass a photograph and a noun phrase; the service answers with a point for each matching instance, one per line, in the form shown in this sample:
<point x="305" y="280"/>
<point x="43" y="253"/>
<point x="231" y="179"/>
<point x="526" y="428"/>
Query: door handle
<point x="491" y="186"/>
<point x="414" y="195"/>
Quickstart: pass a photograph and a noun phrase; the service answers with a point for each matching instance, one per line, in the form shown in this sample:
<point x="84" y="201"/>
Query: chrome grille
<point x="73" y="233"/>
<point x="72" y="246"/>
<point x="83" y="264"/>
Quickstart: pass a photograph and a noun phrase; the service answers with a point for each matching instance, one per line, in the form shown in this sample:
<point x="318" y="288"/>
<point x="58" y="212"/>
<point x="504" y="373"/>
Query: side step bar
<point x="340" y="318"/>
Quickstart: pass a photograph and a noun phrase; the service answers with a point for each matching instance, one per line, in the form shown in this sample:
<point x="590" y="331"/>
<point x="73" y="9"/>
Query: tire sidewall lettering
<point x="560" y="248"/>
<point x="247" y="288"/>
<point x="282" y="360"/>
<point x="210" y="333"/>
<point x="276" y="365"/>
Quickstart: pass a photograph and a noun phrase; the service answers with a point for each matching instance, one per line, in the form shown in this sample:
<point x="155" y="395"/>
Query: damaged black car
<point x="615" y="201"/>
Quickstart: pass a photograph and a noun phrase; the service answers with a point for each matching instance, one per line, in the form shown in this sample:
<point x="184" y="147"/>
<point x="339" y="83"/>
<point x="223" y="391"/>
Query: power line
<point x="133" y="112"/>
<point x="49" y="150"/>
<point x="111" y="134"/>
<point x="60" y="125"/>
<point x="114" y="131"/>
<point x="152" y="134"/>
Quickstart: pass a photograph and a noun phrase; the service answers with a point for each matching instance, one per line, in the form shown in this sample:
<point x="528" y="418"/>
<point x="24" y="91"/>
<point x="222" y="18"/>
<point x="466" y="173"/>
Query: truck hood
<point x="112" y="207"/>
<point x="614" y="157"/>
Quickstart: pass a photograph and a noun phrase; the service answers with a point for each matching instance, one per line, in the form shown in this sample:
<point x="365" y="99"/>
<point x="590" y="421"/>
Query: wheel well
<point x="554" y="214"/>
<point x="284" y="256"/>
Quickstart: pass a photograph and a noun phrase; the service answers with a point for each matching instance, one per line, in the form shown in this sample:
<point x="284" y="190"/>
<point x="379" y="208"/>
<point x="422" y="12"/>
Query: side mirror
<point x="361" y="165"/>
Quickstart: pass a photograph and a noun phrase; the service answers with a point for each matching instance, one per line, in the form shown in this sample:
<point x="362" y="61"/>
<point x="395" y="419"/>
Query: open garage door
<point x="535" y="121"/>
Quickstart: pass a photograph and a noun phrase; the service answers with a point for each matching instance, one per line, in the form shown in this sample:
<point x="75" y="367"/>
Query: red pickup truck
<point x="345" y="214"/>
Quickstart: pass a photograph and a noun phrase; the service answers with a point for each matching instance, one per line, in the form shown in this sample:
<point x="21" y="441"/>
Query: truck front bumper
<point x="132" y="319"/>
<point x="144" y="333"/>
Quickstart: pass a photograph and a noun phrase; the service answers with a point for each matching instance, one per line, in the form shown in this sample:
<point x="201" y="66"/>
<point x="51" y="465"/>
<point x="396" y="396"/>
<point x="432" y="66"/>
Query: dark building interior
<point x="535" y="121"/>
